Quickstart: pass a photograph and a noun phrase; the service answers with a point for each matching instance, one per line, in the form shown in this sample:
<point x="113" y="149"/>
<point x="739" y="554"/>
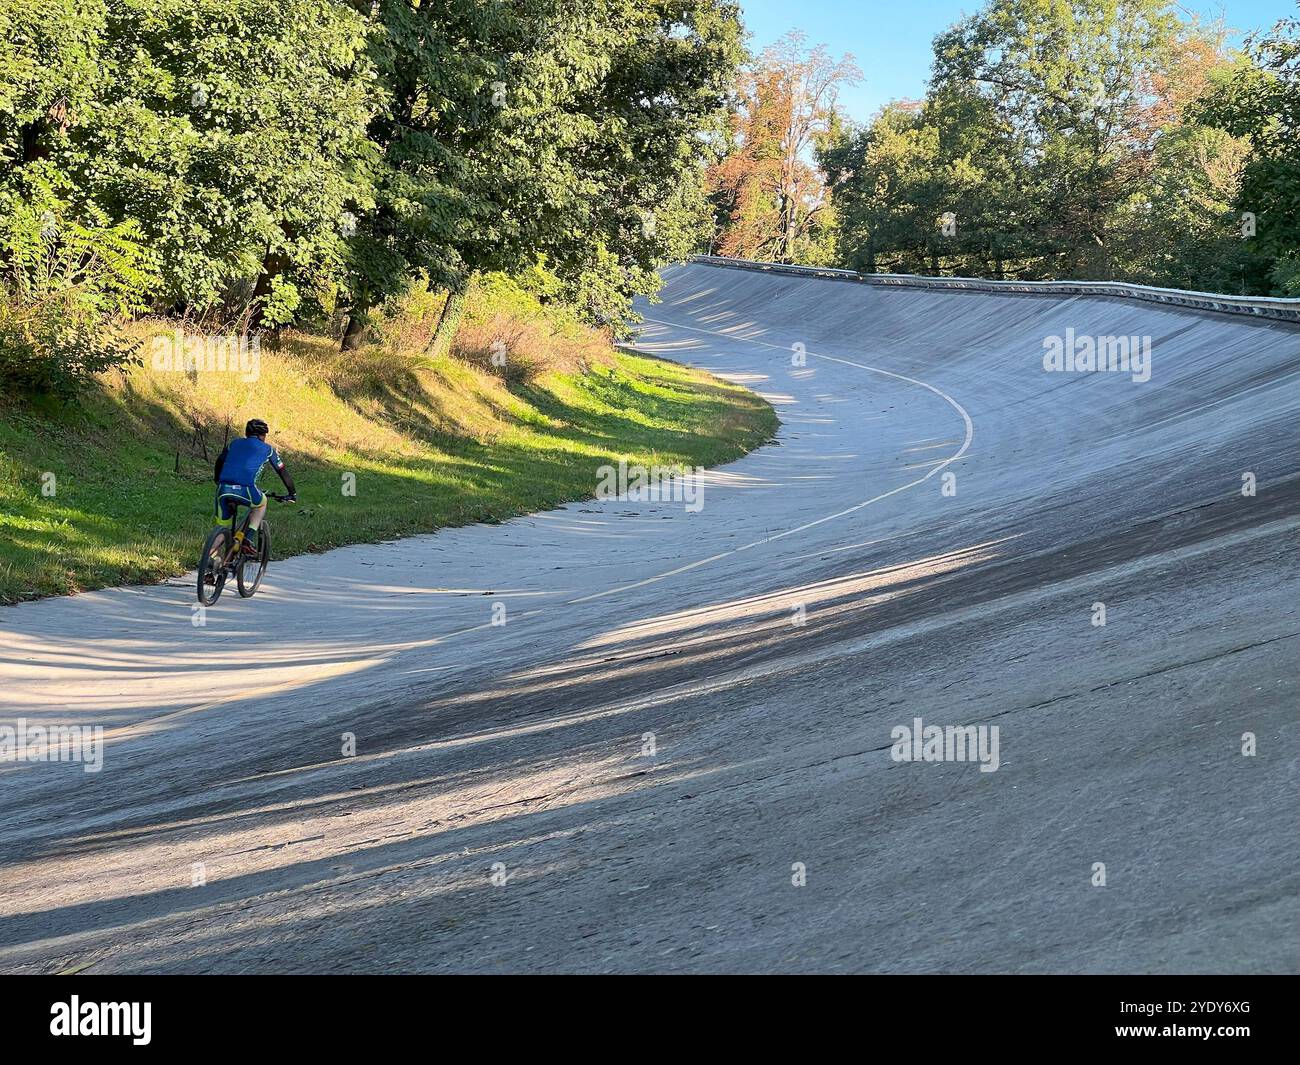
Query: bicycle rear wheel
<point x="250" y="570"/>
<point x="212" y="570"/>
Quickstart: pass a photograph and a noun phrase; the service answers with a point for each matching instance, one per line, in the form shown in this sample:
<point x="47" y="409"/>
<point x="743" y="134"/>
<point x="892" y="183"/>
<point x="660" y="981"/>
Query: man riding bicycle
<point x="238" y="466"/>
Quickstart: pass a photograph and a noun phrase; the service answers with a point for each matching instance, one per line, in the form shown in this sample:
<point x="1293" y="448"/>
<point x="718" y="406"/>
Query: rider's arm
<point x="278" y="465"/>
<point x="221" y="461"/>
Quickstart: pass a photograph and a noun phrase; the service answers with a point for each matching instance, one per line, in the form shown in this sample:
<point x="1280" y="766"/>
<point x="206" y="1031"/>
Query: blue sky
<point x="891" y="38"/>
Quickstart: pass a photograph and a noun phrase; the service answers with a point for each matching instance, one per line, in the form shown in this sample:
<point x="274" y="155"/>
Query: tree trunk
<point x="354" y="334"/>
<point x="272" y="266"/>
<point x="35" y="136"/>
<point x="448" y="323"/>
<point x="784" y="238"/>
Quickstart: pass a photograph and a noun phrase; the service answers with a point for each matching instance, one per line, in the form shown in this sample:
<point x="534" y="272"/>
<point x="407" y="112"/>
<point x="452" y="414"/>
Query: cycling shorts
<point x="229" y="496"/>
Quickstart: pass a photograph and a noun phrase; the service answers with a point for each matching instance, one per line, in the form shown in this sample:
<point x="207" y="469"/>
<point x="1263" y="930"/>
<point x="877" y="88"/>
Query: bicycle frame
<point x="239" y="529"/>
<point x="216" y="567"/>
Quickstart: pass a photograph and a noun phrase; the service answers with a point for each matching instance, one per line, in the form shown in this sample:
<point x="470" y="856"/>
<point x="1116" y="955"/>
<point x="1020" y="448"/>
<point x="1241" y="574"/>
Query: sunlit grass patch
<point x="119" y="489"/>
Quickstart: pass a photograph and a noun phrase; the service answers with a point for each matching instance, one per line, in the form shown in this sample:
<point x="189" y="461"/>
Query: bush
<point x="55" y="345"/>
<point x="509" y="329"/>
<point x="64" y="282"/>
<point x="1286" y="275"/>
<point x="405" y="322"/>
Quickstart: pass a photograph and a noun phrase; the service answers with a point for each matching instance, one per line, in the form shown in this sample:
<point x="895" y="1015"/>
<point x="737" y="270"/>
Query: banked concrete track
<point x="526" y="744"/>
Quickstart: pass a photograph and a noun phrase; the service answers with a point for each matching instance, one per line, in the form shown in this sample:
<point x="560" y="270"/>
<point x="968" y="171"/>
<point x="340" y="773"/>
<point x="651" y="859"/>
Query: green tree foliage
<point x="241" y="144"/>
<point x="260" y="162"/>
<point x="64" y="263"/>
<point x="925" y="183"/>
<point x="558" y="131"/>
<point x="1258" y="99"/>
<point x="1064" y="141"/>
<point x="1066" y="82"/>
<point x="231" y="132"/>
<point x="671" y="67"/>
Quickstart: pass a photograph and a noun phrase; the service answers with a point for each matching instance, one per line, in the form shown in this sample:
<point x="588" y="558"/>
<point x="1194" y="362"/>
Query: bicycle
<point x="221" y="559"/>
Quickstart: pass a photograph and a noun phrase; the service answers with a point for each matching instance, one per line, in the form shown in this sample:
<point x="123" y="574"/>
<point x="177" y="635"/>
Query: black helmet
<point x="256" y="427"/>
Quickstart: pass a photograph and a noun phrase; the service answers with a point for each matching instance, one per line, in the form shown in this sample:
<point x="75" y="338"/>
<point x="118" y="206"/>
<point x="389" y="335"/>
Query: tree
<point x="930" y="186"/>
<point x="1067" y="80"/>
<point x="65" y="265"/>
<point x="1056" y="140"/>
<point x="569" y="134"/>
<point x="1258" y="99"/>
<point x="772" y="194"/>
<point x="230" y="133"/>
<point x="654" y="117"/>
<point x="883" y="177"/>
<point x="276" y="159"/>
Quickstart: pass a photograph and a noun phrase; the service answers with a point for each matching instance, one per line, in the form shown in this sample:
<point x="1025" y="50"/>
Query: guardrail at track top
<point x="1275" y="308"/>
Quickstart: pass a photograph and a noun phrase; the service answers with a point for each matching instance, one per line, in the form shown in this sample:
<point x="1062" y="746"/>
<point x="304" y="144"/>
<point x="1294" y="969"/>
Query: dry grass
<point x="522" y="350"/>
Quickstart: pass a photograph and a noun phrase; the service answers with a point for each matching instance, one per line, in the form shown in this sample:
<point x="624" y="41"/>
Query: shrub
<point x="63" y="283"/>
<point x="512" y="331"/>
<point x="405" y="322"/>
<point x="55" y="344"/>
<point x="1286" y="275"/>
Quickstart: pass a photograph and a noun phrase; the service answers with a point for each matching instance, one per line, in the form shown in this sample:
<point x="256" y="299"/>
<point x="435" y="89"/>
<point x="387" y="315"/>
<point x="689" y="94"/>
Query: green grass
<point x="431" y="444"/>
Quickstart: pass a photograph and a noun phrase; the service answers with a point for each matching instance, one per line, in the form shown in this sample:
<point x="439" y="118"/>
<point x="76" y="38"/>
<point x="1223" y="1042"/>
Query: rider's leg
<point x="256" y="515"/>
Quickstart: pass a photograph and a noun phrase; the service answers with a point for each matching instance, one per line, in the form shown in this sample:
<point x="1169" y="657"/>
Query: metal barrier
<point x="1271" y="307"/>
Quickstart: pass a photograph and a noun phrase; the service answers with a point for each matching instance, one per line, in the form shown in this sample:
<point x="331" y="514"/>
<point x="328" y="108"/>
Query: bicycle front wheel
<point x="212" y="568"/>
<point x="250" y="570"/>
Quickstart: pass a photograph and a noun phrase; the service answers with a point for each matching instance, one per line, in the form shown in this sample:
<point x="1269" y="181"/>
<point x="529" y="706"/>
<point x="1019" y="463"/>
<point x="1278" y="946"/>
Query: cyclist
<point x="238" y="466"/>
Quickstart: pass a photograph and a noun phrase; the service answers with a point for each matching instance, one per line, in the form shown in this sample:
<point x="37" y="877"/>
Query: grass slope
<point x="431" y="444"/>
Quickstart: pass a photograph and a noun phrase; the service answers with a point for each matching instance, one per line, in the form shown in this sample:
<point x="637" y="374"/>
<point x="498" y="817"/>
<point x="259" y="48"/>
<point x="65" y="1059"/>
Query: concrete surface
<point x="524" y="746"/>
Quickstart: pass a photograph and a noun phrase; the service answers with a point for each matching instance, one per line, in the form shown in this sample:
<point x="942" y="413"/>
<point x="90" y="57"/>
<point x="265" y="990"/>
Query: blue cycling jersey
<point x="245" y="459"/>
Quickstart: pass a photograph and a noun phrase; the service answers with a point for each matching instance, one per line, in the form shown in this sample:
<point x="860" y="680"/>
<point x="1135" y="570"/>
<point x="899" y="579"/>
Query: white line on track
<point x="965" y="445"/>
